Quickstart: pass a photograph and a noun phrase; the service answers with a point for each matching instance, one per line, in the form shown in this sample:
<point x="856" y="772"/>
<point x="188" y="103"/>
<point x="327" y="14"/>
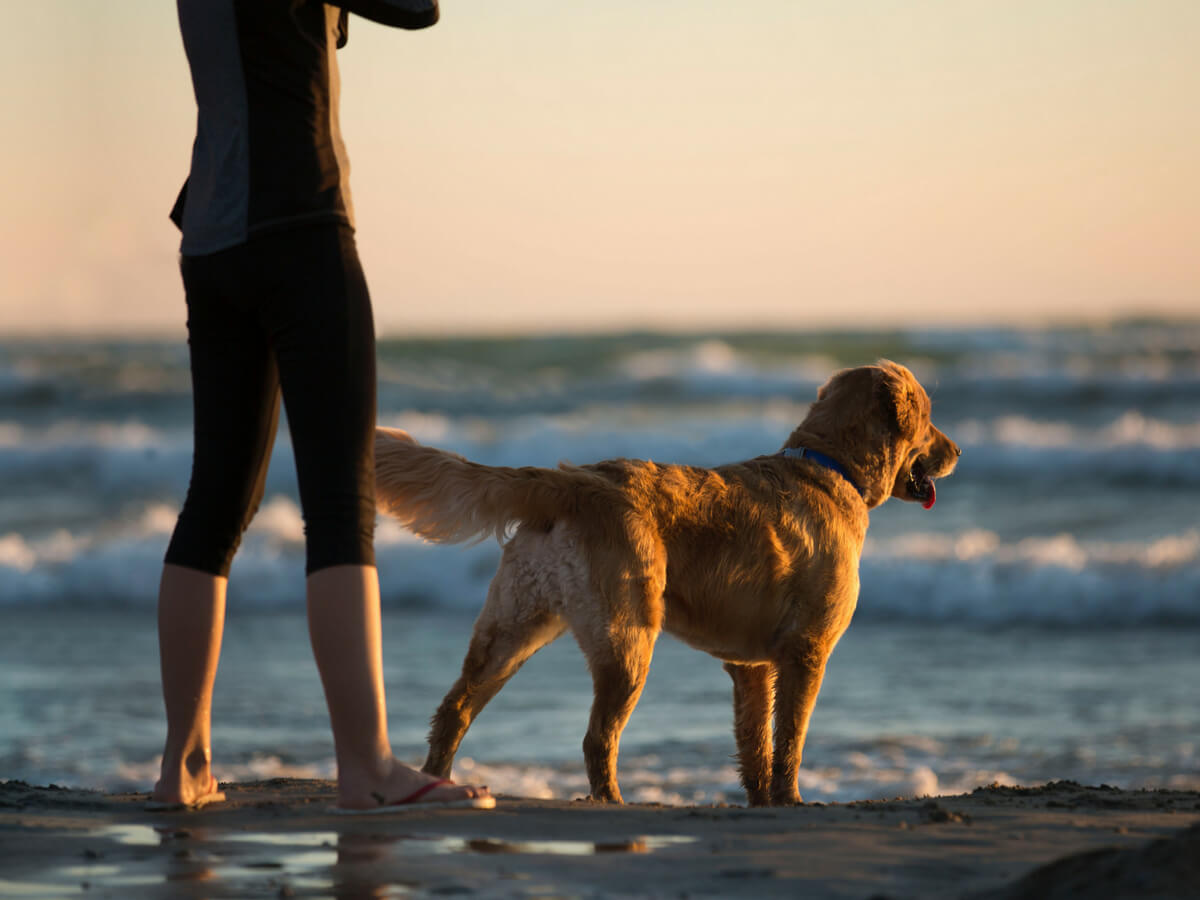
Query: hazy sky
<point x="547" y="164"/>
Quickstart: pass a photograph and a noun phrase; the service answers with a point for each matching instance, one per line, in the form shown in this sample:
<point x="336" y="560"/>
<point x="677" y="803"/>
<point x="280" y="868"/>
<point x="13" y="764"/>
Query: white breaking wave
<point x="717" y="359"/>
<point x="69" y="433"/>
<point x="1131" y="429"/>
<point x="1063" y="551"/>
<point x="646" y="778"/>
<point x="881" y="769"/>
<point x="98" y="463"/>
<point x="976" y="577"/>
<point x="970" y="576"/>
<point x="121" y="562"/>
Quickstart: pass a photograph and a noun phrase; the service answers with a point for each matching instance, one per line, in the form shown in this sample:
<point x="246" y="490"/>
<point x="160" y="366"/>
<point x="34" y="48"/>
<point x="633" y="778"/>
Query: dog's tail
<point x="447" y="498"/>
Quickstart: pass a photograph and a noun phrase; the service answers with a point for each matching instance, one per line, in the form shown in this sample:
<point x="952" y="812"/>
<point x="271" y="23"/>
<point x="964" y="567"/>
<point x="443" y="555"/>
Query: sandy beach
<point x="277" y="839"/>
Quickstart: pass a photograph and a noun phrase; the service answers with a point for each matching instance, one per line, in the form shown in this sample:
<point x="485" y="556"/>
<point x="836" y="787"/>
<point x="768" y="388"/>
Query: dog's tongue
<point x="932" y="499"/>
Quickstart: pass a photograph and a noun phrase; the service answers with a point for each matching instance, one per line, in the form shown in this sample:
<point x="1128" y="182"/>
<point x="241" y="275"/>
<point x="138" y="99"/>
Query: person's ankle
<point x="199" y="762"/>
<point x="187" y="765"/>
<point x="357" y="778"/>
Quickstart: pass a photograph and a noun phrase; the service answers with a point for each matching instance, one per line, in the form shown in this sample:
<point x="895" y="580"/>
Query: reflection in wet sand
<point x="350" y="865"/>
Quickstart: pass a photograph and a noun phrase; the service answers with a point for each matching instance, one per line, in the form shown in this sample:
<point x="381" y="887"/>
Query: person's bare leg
<point x="191" y="618"/>
<point x="345" y="630"/>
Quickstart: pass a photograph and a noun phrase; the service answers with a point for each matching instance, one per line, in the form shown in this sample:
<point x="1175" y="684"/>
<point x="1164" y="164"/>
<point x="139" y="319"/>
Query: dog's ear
<point x="896" y="391"/>
<point x="853" y="385"/>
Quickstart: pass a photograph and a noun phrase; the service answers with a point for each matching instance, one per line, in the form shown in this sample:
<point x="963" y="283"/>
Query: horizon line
<point x="390" y="333"/>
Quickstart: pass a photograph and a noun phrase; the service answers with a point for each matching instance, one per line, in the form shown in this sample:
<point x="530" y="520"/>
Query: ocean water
<point x="1042" y="621"/>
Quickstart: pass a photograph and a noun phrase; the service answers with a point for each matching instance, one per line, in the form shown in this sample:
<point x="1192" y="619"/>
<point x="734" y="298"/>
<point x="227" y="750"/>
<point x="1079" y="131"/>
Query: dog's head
<point x="874" y="420"/>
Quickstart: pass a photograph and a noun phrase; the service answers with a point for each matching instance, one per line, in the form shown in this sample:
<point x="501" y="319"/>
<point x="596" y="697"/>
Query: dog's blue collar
<point x="822" y="460"/>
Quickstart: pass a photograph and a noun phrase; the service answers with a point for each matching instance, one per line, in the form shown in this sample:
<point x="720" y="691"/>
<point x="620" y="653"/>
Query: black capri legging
<point x="289" y="310"/>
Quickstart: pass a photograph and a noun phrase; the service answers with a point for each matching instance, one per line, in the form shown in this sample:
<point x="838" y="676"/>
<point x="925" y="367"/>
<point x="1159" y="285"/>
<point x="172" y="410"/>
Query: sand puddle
<point x="181" y="861"/>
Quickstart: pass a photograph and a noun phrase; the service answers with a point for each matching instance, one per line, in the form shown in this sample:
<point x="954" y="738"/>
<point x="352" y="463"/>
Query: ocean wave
<point x="1016" y="368"/>
<point x="121" y="452"/>
<point x="1131" y="429"/>
<point x="972" y="576"/>
<point x="711" y="366"/>
<point x="870" y="770"/>
<point x="71" y="433"/>
<point x="1056" y="580"/>
<point x="1062" y="551"/>
<point x="644" y="777"/>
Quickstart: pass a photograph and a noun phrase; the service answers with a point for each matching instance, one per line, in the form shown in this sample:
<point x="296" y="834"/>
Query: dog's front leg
<point x="796" y="687"/>
<point x="753" y="698"/>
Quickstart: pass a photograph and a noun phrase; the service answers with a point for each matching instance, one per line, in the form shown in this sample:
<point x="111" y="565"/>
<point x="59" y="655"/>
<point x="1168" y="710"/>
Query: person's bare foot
<point x="401" y="783"/>
<point x="188" y="794"/>
<point x="186" y="786"/>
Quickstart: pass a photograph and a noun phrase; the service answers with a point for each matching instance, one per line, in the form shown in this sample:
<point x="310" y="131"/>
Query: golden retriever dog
<point x="754" y="562"/>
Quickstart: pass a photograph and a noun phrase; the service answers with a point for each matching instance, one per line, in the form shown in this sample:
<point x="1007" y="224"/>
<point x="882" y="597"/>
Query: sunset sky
<point x="547" y="165"/>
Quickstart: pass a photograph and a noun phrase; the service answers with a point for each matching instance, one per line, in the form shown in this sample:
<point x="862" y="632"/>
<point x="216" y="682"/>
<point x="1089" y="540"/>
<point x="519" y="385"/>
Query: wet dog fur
<point x="754" y="562"/>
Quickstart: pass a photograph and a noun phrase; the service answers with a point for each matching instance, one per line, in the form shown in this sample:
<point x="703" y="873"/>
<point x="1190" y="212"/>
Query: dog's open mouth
<point x="920" y="486"/>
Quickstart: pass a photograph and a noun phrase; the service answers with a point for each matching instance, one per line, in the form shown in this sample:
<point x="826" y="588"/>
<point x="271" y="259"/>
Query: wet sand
<point x="277" y="839"/>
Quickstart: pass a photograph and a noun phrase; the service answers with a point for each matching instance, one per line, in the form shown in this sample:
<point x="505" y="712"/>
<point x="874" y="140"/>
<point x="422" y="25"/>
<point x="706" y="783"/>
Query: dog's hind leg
<point x="753" y="699"/>
<point x="500" y="645"/>
<point x="619" y="658"/>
